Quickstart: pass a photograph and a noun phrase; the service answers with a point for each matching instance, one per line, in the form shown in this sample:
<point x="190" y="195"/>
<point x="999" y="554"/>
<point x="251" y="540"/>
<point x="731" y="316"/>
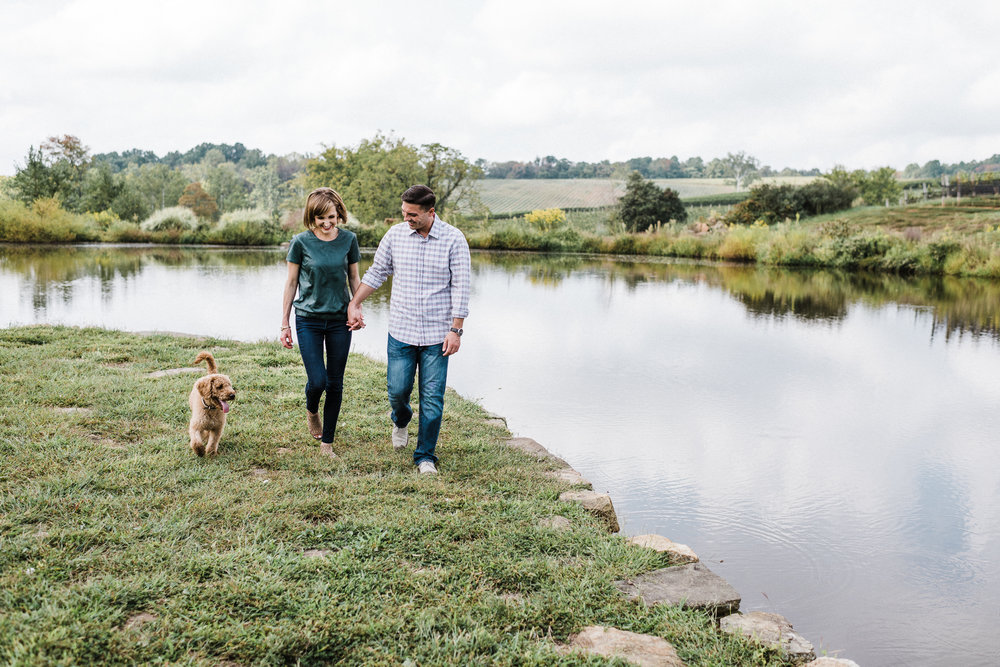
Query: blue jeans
<point x="314" y="334"/>
<point x="404" y="360"/>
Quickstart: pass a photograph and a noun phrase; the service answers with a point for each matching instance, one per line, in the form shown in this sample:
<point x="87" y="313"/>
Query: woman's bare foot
<point x="315" y="425"/>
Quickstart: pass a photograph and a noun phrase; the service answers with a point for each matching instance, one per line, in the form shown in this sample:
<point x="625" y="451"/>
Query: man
<point x="431" y="269"/>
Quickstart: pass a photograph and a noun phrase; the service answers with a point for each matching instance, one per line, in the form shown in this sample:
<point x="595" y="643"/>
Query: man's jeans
<point x="403" y="362"/>
<point x="315" y="334"/>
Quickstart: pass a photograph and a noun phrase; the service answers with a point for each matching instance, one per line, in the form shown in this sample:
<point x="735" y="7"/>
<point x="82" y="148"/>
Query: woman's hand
<point x="286" y="337"/>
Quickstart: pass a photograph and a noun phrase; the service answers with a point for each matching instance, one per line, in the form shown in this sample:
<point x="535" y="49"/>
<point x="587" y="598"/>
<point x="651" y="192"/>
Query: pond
<point x="825" y="442"/>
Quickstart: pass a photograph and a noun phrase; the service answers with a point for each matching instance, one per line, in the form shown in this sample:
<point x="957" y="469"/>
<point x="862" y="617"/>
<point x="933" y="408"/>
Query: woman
<point x="323" y="269"/>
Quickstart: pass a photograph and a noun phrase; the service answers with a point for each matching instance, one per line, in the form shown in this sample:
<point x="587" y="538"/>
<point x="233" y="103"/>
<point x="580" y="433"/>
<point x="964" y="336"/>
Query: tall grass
<point x="45" y="221"/>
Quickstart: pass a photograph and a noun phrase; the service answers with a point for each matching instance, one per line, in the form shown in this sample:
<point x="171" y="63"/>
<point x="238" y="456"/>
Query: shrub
<point x="246" y="227"/>
<point x="822" y="196"/>
<point x="178" y="218"/>
<point x="562" y="240"/>
<point x="644" y="204"/>
<point x="774" y="203"/>
<point x="740" y="244"/>
<point x="123" y="231"/>
<point x="103" y="219"/>
<point x="546" y="219"/>
<point x="45" y="221"/>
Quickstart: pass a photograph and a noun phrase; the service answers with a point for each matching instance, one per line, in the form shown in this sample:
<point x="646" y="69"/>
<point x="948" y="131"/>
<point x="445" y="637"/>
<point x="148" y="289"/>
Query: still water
<point x="826" y="443"/>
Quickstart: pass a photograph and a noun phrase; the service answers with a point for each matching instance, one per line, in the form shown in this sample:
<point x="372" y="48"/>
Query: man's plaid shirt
<point x="430" y="280"/>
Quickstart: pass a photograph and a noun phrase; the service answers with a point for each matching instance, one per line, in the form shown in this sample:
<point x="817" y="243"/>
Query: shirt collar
<point x="436" y="228"/>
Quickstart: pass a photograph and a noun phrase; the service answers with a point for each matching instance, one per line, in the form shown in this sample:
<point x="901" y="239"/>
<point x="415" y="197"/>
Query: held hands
<point x="355" y="320"/>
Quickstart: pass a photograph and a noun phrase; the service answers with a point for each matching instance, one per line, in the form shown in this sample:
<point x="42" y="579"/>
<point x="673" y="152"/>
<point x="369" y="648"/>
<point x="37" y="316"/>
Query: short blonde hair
<point x="320" y="202"/>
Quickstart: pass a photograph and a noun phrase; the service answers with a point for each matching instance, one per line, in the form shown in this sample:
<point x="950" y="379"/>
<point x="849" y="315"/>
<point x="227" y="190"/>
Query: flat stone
<point x="681" y="552"/>
<point x="317" y="553"/>
<point x="772" y="630"/>
<point x="569" y="476"/>
<point x="74" y="411"/>
<point x="644" y="650"/>
<point x="595" y="503"/>
<point x="693" y="586"/>
<point x="499" y="420"/>
<point x="831" y="662"/>
<point x="529" y="446"/>
<point x="556" y="523"/>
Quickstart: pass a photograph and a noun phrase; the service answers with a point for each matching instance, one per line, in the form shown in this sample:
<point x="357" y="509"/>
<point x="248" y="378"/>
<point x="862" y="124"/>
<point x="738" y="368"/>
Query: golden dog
<point x="209" y="402"/>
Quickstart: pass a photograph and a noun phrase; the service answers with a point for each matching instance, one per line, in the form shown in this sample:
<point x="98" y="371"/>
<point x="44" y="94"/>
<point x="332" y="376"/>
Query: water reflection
<point x="956" y="305"/>
<point x="824" y="441"/>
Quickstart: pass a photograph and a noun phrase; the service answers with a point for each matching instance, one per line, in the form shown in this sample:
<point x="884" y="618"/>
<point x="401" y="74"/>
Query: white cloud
<point x="795" y="84"/>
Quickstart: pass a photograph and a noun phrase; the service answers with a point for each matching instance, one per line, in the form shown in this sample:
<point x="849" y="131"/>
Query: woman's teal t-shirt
<point x="323" y="288"/>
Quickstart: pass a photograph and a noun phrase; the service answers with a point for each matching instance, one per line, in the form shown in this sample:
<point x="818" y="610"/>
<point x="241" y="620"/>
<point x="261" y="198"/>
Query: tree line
<point x="213" y="179"/>
<point x="647" y="167"/>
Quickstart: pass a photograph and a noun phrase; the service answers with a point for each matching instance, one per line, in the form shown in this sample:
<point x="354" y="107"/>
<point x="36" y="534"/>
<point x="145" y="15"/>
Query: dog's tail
<point x="207" y="356"/>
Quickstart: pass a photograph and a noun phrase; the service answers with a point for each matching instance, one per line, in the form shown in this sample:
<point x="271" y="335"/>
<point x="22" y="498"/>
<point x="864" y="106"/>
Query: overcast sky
<point x="799" y="84"/>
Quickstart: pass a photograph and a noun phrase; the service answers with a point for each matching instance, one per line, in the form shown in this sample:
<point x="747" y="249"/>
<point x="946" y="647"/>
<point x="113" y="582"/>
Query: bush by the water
<point x="44" y="221"/>
<point x="246" y="227"/>
<point x="644" y="204"/>
<point x="774" y="203"/>
<point x="174" y="218"/>
<point x="546" y="219"/>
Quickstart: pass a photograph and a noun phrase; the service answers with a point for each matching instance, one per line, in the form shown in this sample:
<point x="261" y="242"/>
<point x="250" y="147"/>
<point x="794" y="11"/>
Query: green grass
<point x="119" y="546"/>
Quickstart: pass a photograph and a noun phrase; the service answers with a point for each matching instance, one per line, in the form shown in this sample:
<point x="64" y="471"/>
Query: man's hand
<point x="355" y="320"/>
<point x="451" y="344"/>
<point x="286" y="337"/>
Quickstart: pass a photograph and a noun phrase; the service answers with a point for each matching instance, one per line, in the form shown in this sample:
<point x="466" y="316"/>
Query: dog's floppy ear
<point x="204" y="386"/>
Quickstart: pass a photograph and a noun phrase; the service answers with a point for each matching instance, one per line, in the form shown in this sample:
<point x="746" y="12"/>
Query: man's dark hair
<point x="421" y="195"/>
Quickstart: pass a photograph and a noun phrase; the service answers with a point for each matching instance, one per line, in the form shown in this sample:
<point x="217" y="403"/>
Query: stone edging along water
<point x="690" y="584"/>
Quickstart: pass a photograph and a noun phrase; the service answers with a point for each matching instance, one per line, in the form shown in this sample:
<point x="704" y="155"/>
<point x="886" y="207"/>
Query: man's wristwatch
<point x="458" y="331"/>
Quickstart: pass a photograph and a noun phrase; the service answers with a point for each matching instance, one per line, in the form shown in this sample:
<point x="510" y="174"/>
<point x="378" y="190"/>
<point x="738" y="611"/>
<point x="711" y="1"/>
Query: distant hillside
<point x="516" y="195"/>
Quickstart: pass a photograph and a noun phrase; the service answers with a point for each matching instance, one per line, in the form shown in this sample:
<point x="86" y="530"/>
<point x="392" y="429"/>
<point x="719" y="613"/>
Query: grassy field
<point x="522" y="195"/>
<point x="118" y="546"/>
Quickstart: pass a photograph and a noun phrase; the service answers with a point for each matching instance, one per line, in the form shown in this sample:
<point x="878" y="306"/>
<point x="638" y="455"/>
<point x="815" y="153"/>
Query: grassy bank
<point x="119" y="546"/>
<point x="954" y="239"/>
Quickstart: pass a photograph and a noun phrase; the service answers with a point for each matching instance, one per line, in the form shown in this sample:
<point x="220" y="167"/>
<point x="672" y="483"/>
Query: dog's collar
<point x="207" y="406"/>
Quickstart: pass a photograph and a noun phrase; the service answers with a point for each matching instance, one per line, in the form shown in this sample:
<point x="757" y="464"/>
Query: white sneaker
<point x="400" y="438"/>
<point x="427" y="468"/>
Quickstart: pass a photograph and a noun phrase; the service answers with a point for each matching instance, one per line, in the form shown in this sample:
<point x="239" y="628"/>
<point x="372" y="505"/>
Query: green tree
<point x="265" y="189"/>
<point x="843" y="180"/>
<point x="878" y="186"/>
<point x="100" y="187"/>
<point x="644" y="204"/>
<point x="35" y="180"/>
<point x="369" y="177"/>
<point x="446" y="171"/>
<point x="130" y="204"/>
<point x="69" y="159"/>
<point x="227" y="186"/>
<point x="200" y="202"/>
<point x="160" y="185"/>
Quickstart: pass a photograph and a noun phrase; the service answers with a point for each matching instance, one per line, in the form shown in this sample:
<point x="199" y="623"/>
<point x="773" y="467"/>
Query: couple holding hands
<point x="431" y="269"/>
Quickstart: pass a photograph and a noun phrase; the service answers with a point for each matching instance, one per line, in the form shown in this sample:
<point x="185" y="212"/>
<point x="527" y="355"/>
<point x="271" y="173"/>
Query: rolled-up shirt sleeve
<point x="461" y="277"/>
